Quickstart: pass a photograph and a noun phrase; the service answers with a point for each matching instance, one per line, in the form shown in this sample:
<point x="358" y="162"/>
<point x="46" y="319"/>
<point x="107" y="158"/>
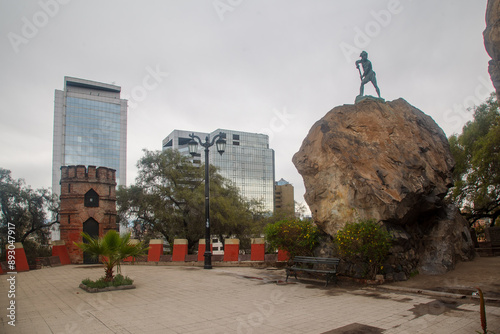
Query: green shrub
<point x="298" y="237"/>
<point x="364" y="241"/>
<point x="102" y="283"/>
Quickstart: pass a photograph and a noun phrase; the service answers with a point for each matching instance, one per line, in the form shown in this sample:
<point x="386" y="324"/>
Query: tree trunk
<point x="109" y="274"/>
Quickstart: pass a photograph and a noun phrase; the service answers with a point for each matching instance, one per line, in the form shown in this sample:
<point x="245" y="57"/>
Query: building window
<point x="91" y="199"/>
<point x="236" y="140"/>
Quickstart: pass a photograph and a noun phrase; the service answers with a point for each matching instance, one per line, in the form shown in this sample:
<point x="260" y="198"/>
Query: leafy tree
<point x="24" y="210"/>
<point x="165" y="199"/>
<point x="111" y="248"/>
<point x="477" y="171"/>
<point x="168" y="199"/>
<point x="230" y="213"/>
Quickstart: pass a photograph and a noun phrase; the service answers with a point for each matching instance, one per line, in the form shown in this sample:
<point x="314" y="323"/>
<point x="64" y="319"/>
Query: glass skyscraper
<point x="248" y="161"/>
<point x="90" y="128"/>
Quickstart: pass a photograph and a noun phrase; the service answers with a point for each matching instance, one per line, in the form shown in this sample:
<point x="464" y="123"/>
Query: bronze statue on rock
<point x="367" y="76"/>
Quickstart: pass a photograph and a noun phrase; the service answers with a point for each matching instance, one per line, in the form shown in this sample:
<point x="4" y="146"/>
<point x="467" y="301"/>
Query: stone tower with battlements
<point x="88" y="204"/>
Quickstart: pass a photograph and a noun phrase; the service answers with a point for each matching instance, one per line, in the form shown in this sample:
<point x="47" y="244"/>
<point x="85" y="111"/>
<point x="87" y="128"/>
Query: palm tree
<point x="112" y="248"/>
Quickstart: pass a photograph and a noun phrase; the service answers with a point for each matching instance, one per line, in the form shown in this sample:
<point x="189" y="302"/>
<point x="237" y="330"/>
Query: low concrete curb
<point x="109" y="288"/>
<point x="423" y="292"/>
<point x="433" y="293"/>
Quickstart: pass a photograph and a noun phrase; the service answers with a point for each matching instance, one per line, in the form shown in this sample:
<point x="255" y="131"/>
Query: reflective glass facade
<point x="92" y="133"/>
<point x="90" y="128"/>
<point x="248" y="161"/>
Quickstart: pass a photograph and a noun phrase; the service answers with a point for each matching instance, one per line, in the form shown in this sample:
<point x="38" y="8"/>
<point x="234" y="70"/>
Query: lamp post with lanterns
<point x="193" y="148"/>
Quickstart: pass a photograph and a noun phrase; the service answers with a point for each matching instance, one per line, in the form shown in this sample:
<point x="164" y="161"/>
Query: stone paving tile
<point x="179" y="299"/>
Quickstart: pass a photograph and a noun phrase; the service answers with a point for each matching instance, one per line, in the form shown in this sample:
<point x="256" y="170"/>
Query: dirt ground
<point x="482" y="272"/>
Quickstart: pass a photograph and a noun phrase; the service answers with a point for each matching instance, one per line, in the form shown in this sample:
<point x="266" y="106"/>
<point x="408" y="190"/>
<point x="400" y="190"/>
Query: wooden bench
<point x="320" y="265"/>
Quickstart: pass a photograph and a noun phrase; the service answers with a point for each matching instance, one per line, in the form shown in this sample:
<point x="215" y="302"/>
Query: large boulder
<point x="387" y="161"/>
<point x="391" y="162"/>
<point x="492" y="42"/>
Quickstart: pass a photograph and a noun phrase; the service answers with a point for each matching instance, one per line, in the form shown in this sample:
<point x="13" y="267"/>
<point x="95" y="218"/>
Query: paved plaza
<point x="181" y="299"/>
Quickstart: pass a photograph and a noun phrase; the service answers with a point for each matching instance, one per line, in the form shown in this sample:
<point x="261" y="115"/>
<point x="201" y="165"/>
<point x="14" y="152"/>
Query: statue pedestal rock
<point x="391" y="162"/>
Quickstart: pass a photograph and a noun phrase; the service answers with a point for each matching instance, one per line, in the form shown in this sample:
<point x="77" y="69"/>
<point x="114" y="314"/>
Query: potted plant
<point x="110" y="249"/>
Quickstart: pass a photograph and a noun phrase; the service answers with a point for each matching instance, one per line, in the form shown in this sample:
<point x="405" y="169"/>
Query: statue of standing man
<point x="368" y="73"/>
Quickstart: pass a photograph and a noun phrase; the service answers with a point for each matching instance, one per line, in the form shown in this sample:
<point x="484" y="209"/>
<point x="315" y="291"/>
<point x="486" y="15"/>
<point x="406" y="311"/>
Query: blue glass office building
<point x="90" y="128"/>
<point x="248" y="161"/>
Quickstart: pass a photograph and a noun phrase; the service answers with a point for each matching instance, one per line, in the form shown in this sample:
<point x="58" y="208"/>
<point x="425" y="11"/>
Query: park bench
<point x="320" y="265"/>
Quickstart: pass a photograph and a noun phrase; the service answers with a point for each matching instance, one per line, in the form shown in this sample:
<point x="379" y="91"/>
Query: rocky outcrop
<point x="391" y="162"/>
<point x="387" y="161"/>
<point x="492" y="42"/>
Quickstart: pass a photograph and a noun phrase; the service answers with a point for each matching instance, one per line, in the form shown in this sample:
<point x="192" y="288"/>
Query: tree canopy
<point x="477" y="171"/>
<point x="163" y="198"/>
<point x="168" y="199"/>
<point x="24" y="210"/>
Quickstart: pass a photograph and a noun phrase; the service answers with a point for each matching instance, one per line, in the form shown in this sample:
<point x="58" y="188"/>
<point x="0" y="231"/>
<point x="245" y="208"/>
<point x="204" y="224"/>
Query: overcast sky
<point x="266" y="66"/>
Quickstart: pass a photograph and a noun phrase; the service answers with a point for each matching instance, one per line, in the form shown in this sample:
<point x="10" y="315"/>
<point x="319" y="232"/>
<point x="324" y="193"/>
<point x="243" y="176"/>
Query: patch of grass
<point x="100" y="283"/>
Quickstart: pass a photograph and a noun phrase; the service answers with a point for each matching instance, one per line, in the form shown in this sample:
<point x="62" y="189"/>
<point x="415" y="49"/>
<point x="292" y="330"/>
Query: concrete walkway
<point x="174" y="299"/>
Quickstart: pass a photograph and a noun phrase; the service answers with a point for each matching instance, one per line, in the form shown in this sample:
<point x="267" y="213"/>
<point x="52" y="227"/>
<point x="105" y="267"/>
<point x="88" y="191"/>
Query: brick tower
<point x="88" y="204"/>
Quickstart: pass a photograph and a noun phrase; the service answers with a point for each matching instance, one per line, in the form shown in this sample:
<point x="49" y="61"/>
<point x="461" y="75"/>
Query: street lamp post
<point x="193" y="148"/>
